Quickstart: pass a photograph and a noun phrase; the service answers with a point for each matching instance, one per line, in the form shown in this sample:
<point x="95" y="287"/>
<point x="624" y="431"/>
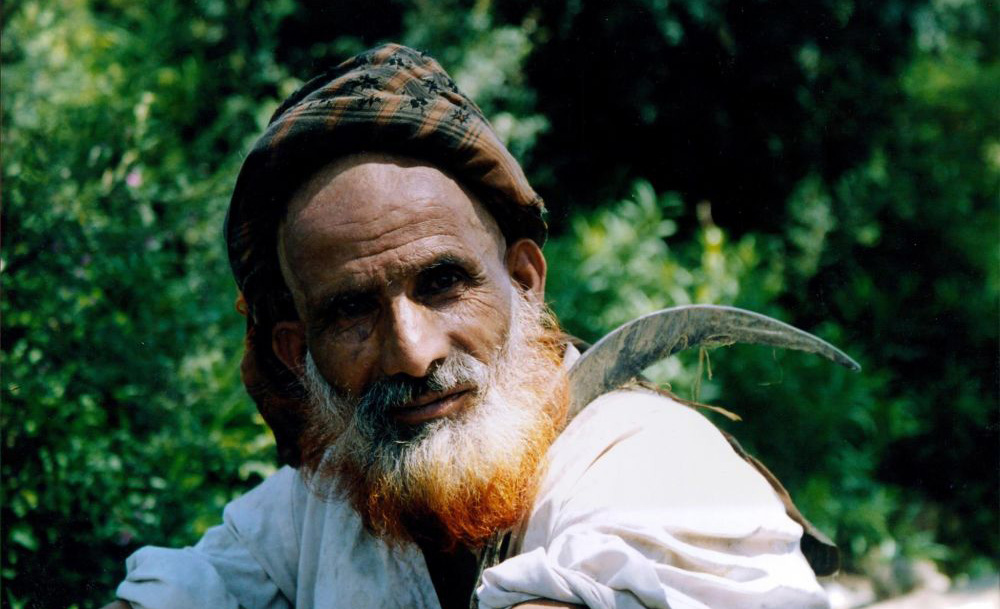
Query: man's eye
<point x="441" y="280"/>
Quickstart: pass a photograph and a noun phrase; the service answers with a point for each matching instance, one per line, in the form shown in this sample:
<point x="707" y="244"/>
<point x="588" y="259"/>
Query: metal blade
<point x="624" y="353"/>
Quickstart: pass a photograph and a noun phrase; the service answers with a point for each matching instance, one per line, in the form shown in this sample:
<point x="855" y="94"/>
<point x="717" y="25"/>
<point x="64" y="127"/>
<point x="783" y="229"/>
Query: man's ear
<point x="526" y="265"/>
<point x="288" y="340"/>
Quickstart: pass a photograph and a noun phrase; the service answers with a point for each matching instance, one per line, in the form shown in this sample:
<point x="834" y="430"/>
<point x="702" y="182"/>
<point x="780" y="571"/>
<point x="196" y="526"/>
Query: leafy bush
<point x="123" y="419"/>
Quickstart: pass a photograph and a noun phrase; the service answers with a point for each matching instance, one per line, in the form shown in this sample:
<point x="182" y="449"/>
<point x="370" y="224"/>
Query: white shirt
<point x="643" y="504"/>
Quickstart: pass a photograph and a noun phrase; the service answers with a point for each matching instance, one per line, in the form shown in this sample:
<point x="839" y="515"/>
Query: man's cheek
<point x="483" y="314"/>
<point x="346" y="366"/>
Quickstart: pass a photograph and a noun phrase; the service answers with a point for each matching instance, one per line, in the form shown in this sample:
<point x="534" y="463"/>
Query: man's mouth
<point x="432" y="405"/>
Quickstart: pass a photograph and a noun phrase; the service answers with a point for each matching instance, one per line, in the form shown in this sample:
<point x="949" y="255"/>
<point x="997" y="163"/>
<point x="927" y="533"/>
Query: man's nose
<point x="413" y="340"/>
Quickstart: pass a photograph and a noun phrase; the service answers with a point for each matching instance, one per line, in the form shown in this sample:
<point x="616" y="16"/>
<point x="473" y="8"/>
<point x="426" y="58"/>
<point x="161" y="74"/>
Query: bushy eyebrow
<point x="444" y="260"/>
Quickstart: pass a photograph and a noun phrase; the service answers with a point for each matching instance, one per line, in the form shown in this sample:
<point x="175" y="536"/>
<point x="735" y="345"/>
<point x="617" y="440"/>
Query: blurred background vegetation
<point x="833" y="163"/>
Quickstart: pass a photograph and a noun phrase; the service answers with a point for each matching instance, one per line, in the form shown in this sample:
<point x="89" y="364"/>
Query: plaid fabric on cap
<point x="389" y="99"/>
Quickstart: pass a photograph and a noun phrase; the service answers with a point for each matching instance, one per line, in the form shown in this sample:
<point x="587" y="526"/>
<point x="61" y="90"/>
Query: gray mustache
<point x="458" y="368"/>
<point x="397" y="390"/>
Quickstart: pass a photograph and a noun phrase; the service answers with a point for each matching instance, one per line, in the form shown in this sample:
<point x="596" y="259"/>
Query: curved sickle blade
<point x="624" y="353"/>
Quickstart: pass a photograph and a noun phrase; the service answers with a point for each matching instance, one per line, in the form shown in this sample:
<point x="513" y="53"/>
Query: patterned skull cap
<point x="389" y="99"/>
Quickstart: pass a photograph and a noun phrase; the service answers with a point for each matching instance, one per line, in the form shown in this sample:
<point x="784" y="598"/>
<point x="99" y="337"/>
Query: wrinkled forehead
<point x="379" y="178"/>
<point x="365" y="206"/>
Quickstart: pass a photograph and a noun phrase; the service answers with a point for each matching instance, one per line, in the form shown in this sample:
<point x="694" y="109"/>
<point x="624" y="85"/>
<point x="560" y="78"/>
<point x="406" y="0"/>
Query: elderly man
<point x="388" y="250"/>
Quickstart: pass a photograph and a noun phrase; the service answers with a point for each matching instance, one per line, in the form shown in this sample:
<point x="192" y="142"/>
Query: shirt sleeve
<point x="239" y="564"/>
<point x="646" y="504"/>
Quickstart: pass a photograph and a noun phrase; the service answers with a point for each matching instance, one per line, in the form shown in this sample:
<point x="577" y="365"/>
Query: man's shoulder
<point x="637" y="449"/>
<point x="635" y="429"/>
<point x="645" y="501"/>
<point x="270" y="513"/>
<point x="638" y="413"/>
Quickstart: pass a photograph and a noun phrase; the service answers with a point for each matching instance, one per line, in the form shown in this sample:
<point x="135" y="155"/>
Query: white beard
<point x="449" y="464"/>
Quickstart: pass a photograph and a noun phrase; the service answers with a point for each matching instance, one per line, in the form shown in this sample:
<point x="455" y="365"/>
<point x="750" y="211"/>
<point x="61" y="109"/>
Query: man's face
<point x="392" y="266"/>
<point x="434" y="376"/>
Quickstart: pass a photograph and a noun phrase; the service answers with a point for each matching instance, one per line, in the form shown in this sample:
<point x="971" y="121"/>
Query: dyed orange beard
<point x="464" y="477"/>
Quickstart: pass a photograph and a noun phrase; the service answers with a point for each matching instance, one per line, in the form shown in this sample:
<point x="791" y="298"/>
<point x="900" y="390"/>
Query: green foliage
<point x="833" y="164"/>
<point x="123" y="419"/>
<point x="486" y="60"/>
<point x="615" y="264"/>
